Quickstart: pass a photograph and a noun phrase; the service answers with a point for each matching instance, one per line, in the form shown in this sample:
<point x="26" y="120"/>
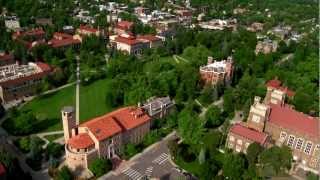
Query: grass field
<point x="92" y="103"/>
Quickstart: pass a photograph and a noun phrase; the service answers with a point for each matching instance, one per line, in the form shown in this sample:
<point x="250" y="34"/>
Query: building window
<point x="239" y="141"/>
<point x="256" y="118"/>
<point x="299" y="144"/>
<point x="230" y="145"/>
<point x="291" y="141"/>
<point x="231" y="138"/>
<point x="307" y="150"/>
<point x="247" y="145"/>
<point x="283" y="135"/>
<point x="238" y="148"/>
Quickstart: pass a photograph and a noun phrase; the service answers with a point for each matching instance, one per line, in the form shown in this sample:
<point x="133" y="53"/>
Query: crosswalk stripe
<point x="133" y="174"/>
<point x="161" y="159"/>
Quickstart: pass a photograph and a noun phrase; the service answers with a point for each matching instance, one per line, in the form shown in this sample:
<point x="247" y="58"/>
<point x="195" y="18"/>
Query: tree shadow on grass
<point x="45" y="124"/>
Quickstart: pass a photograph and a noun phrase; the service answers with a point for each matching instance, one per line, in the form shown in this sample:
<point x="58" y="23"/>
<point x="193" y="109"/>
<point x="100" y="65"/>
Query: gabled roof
<point x="148" y="37"/>
<point x="102" y="127"/>
<point x="115" y="122"/>
<point x="248" y="133"/>
<point x="286" y="117"/>
<point x="128" y="41"/>
<point x="125" y="25"/>
<point x="87" y="28"/>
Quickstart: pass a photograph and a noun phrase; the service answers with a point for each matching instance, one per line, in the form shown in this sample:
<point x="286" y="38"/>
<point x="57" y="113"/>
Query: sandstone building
<point x="273" y="122"/>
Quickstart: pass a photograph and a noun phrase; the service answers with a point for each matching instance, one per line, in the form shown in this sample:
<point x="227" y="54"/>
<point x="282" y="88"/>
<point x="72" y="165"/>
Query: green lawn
<point x="47" y="108"/>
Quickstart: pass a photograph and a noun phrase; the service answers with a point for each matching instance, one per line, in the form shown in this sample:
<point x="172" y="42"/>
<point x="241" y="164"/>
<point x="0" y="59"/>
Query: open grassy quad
<point x="47" y="108"/>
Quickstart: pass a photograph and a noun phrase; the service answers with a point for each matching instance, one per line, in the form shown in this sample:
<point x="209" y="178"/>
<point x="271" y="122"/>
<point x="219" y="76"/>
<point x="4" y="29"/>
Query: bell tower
<point x="68" y="121"/>
<point x="258" y="114"/>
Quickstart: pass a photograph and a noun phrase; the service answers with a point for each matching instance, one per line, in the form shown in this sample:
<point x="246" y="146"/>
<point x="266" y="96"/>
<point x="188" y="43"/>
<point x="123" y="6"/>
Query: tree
<point x="312" y="176"/>
<point x="228" y="102"/>
<point x="24" y="144"/>
<point x="213" y="117"/>
<point x="253" y="152"/>
<point x="100" y="166"/>
<point x="211" y="140"/>
<point x="190" y="126"/>
<point x="173" y="148"/>
<point x="64" y="174"/>
<point x="233" y="166"/>
<point x="276" y="159"/>
<point x="54" y="150"/>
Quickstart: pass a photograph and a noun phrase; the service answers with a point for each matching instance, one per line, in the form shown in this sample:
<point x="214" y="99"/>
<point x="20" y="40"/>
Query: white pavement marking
<point x="133" y="174"/>
<point x="161" y="159"/>
<point x="149" y="171"/>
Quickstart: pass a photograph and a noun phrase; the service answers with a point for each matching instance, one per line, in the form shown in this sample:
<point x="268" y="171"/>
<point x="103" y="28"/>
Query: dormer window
<point x="299" y="144"/>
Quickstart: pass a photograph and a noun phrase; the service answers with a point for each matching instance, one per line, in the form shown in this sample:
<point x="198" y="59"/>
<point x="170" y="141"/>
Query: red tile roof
<point x="87" y="28"/>
<point x="276" y="84"/>
<point x="102" y="127"/>
<point x="56" y="43"/>
<point x="32" y="32"/>
<point x="130" y="117"/>
<point x="6" y="57"/>
<point x="125" y="25"/>
<point x="81" y="141"/>
<point x="43" y="66"/>
<point x="2" y="169"/>
<point x="248" y="133"/>
<point x="289" y="118"/>
<point x="58" y="35"/>
<point x="115" y="122"/>
<point x="128" y="41"/>
<point x="148" y="37"/>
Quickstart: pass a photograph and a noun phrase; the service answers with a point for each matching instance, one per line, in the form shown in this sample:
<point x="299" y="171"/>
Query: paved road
<point x="154" y="162"/>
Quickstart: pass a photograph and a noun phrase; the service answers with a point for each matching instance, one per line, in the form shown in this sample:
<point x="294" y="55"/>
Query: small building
<point x="12" y="23"/>
<point x="282" y="32"/>
<point x="266" y="46"/>
<point x="255" y="27"/>
<point x="152" y="40"/>
<point x="64" y="41"/>
<point x="30" y="38"/>
<point x="158" y="107"/>
<point x="130" y="44"/>
<point x="217" y="71"/>
<point x="84" y="30"/>
<point x="218" y="24"/>
<point x="18" y="81"/>
<point x="123" y="27"/>
<point x="141" y="11"/>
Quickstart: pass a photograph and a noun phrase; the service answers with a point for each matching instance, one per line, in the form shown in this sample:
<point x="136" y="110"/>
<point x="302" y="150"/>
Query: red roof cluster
<point x="124" y="25"/>
<point x="149" y="37"/>
<point x="88" y="29"/>
<point x="62" y="40"/>
<point x="129" y="41"/>
<point x="286" y="117"/>
<point x="32" y="32"/>
<point x="6" y="57"/>
<point x="248" y="133"/>
<point x="276" y="84"/>
<point x="110" y="124"/>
